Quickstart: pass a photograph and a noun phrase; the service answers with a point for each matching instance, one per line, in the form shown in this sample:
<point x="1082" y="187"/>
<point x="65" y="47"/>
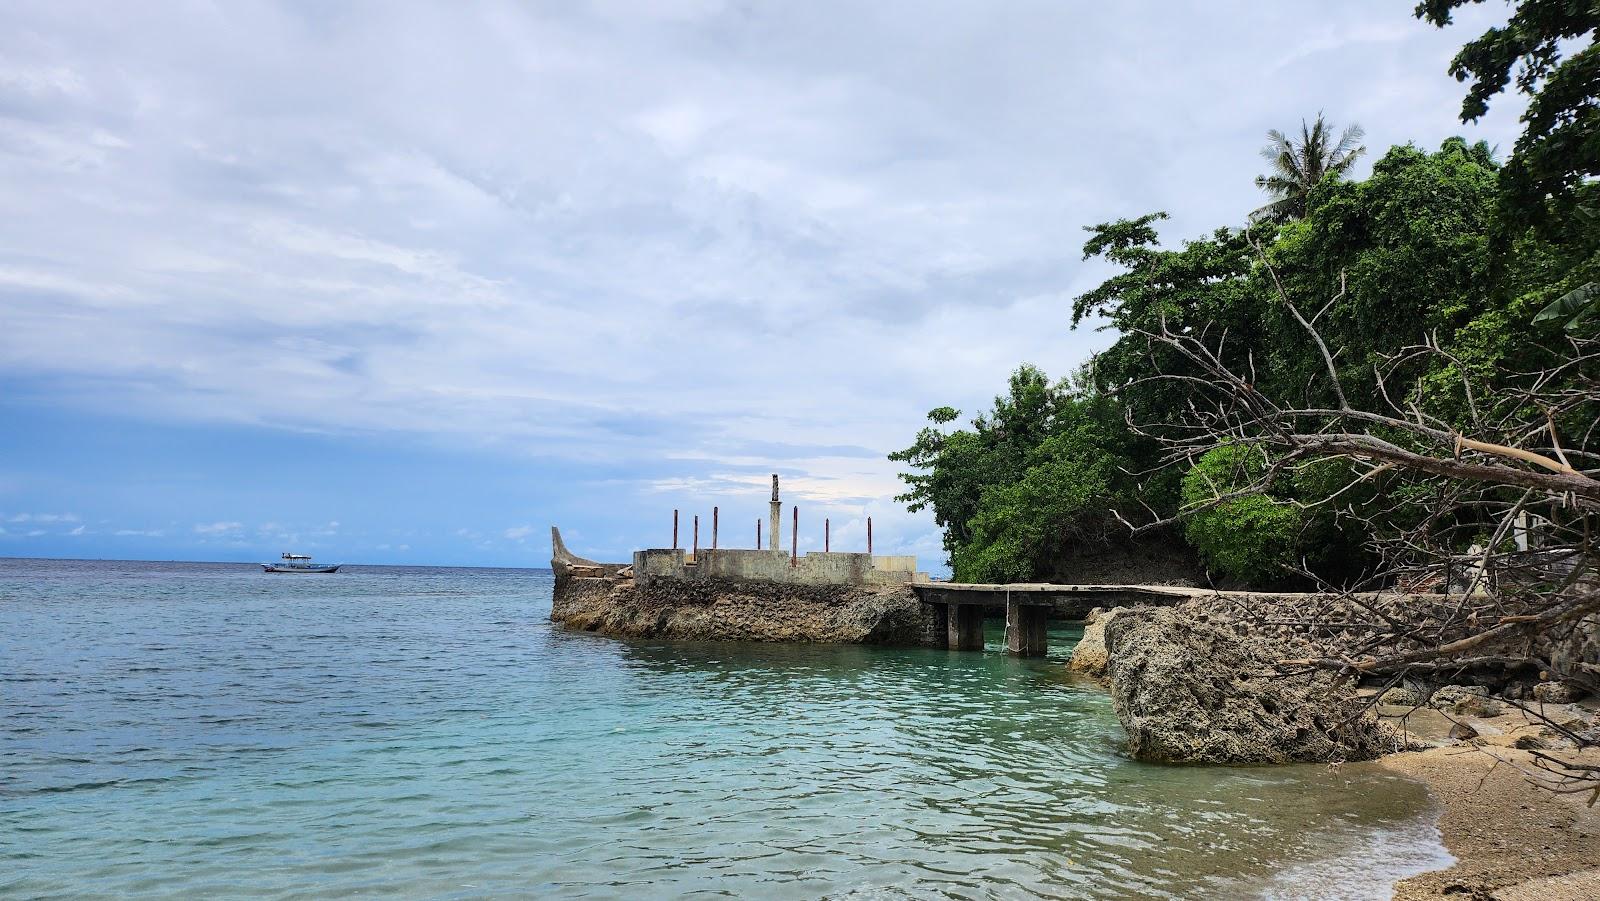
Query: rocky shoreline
<point x="1197" y="683"/>
<point x="733" y="610"/>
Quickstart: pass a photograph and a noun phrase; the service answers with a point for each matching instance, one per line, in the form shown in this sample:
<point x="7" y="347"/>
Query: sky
<point x="394" y="282"/>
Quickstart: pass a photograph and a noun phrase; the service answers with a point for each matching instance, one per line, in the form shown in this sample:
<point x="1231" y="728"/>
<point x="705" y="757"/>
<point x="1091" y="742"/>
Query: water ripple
<point x="425" y="733"/>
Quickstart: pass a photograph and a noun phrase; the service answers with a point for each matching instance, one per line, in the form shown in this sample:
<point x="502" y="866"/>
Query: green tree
<point x="1298" y="166"/>
<point x="1208" y="280"/>
<point x="1552" y="46"/>
<point x="1386" y="262"/>
<point x="1031" y="480"/>
<point x="951" y="471"/>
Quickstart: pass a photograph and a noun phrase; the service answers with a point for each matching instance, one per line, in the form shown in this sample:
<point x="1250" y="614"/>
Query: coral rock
<point x="1558" y="692"/>
<point x="1195" y="692"/>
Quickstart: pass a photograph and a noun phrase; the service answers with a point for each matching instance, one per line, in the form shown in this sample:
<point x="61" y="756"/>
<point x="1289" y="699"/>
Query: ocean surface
<point x="208" y="730"/>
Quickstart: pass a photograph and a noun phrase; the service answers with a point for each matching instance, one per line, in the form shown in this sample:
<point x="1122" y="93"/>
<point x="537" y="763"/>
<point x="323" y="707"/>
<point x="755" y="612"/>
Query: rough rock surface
<point x="1558" y="692"/>
<point x="1089" y="655"/>
<point x="1400" y="696"/>
<point x="1189" y="688"/>
<point x="1473" y="700"/>
<point x="740" y="611"/>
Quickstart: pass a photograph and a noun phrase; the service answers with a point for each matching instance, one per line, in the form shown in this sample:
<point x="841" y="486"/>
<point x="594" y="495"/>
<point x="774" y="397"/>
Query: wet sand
<point x="1513" y="840"/>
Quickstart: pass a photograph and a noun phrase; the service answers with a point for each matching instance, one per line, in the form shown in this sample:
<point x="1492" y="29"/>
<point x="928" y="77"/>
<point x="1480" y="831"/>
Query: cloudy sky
<point x="392" y="282"/>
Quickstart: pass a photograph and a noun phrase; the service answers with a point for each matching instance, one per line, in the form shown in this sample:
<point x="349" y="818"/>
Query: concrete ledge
<point x="812" y="568"/>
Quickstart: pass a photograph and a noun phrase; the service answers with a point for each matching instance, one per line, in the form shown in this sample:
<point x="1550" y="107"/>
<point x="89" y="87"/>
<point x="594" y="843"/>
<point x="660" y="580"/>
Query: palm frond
<point x="1297" y="167"/>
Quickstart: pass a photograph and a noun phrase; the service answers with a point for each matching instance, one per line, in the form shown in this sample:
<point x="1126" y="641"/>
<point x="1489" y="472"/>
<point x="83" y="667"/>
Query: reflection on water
<point x="427" y="733"/>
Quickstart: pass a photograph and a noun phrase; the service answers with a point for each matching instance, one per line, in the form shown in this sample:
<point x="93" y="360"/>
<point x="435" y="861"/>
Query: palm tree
<point x="1297" y="167"/>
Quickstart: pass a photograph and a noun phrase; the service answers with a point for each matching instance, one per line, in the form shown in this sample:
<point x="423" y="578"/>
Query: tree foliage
<point x="1397" y="260"/>
<point x="1550" y="48"/>
<point x="1031" y="478"/>
<point x="1446" y="272"/>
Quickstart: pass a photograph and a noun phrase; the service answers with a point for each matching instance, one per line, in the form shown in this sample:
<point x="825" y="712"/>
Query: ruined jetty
<point x="743" y="593"/>
<point x="820" y="596"/>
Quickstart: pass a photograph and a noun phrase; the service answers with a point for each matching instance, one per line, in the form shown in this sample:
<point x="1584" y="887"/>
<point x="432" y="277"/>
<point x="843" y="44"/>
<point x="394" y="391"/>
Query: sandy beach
<point x="1512" y="839"/>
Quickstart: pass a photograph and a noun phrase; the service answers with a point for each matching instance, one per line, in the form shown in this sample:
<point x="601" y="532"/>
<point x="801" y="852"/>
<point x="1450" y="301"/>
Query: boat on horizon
<point x="300" y="563"/>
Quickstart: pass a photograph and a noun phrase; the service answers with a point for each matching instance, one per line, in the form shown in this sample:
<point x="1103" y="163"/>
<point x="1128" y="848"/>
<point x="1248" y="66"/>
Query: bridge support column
<point x="1027" y="628"/>
<point x="965" y="627"/>
<point x="935" y="625"/>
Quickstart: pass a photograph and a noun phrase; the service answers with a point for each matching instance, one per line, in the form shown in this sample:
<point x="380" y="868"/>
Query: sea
<point x="207" y="730"/>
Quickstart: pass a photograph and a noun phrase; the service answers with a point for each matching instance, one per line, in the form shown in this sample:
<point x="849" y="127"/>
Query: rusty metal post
<point x="869" y="536"/>
<point x="695" y="555"/>
<point x="758" y="534"/>
<point x="713" y="528"/>
<point x="674" y="529"/>
<point x="826" y="535"/>
<point x="794" y="539"/>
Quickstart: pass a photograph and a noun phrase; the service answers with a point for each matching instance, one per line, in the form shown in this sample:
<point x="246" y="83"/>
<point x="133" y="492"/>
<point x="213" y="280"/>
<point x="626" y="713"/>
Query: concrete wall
<point x="776" y="566"/>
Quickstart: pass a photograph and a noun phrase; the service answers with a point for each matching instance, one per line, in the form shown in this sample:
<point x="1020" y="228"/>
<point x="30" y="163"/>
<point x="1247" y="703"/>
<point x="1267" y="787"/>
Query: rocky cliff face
<point x="738" y="610"/>
<point x="1189" y="687"/>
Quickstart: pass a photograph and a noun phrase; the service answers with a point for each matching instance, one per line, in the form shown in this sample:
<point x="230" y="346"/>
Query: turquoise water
<point x="207" y="730"/>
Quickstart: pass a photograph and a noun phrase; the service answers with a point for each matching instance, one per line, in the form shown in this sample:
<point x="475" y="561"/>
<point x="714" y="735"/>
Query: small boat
<point x="300" y="563"/>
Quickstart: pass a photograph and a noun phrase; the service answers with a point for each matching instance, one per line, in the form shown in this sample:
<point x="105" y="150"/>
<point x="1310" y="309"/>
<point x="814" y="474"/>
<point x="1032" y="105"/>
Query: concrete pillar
<point x="965" y="631"/>
<point x="1027" y="628"/>
<point x="775" y="523"/>
<point x="935" y="625"/>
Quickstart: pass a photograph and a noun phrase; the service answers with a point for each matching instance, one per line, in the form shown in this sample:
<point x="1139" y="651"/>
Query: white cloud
<point x="518" y="533"/>
<point x="217" y="528"/>
<point x="739" y="236"/>
<point x="42" y="517"/>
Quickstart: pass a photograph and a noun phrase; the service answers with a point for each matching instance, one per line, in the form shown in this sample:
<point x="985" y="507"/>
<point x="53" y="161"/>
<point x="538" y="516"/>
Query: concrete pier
<point x="1027" y="628"/>
<point x="950" y="609"/>
<point x="935" y="625"/>
<point x="964" y="630"/>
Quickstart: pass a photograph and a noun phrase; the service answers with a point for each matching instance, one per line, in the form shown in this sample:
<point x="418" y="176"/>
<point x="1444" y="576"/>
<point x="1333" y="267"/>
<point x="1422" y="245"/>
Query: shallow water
<point x="210" y="730"/>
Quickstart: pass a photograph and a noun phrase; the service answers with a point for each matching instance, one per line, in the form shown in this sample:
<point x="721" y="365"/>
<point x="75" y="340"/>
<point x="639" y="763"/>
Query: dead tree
<point x="1508" y="529"/>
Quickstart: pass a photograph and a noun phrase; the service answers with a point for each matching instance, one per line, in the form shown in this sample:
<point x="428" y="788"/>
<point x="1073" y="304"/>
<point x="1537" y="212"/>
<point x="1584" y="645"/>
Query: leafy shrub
<point x="1254" y="538"/>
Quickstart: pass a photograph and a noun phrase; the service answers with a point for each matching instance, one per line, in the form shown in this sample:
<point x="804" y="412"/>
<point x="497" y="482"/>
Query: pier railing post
<point x="695" y="554"/>
<point x="869" y="536"/>
<point x="826" y="534"/>
<point x="794" y="539"/>
<point x="713" y="528"/>
<point x="758" y="534"/>
<point x="674" y="529"/>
